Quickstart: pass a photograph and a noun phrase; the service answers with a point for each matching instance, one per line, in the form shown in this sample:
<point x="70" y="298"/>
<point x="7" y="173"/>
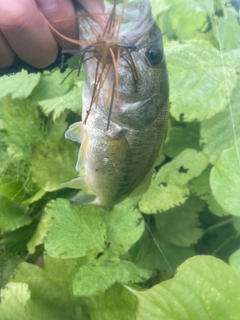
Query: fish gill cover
<point x="144" y="258"/>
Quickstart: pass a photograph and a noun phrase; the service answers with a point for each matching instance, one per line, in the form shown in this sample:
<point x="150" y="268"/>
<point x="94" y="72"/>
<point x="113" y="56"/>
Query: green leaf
<point x="151" y="252"/>
<point x="93" y="230"/>
<point x="14" y="299"/>
<point x="41" y="230"/>
<point x="22" y="123"/>
<point x="124" y="226"/>
<point x="116" y="303"/>
<point x="95" y="278"/>
<point x="180" y="138"/>
<point x="12" y="216"/>
<point x="225" y="180"/>
<point x="234" y="261"/>
<point x="219" y="132"/>
<point x="226" y="35"/>
<point x="70" y="101"/>
<point x="50" y="296"/>
<point x="51" y="86"/>
<point x="75" y="232"/>
<point x="197" y="77"/>
<point x="19" y="86"/>
<point x="169" y="187"/>
<point x="52" y="163"/>
<point x="184" y="26"/>
<point x="200" y="186"/>
<point x="203" y="288"/>
<point x="180" y="225"/>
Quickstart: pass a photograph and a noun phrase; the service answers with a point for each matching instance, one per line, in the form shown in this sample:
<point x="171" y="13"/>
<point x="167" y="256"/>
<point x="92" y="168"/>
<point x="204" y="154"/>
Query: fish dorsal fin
<point x="82" y="153"/>
<point x="75" y="132"/>
<point x="78" y="183"/>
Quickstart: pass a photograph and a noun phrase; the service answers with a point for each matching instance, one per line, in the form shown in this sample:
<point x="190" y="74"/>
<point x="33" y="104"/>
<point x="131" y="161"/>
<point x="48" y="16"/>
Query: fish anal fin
<point x="82" y="153"/>
<point x="75" y="132"/>
<point x="143" y="186"/>
<point x="83" y="199"/>
<point x="78" y="183"/>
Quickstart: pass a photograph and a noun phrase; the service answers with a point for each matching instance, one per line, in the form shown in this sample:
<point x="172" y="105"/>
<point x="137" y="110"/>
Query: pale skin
<point x="24" y="33"/>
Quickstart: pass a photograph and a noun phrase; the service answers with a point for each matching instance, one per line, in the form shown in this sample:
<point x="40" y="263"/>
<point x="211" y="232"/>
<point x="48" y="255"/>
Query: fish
<point x="125" y="102"/>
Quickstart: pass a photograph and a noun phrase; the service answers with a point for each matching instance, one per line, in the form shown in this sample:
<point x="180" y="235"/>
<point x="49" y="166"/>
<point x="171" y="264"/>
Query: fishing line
<point x="227" y="89"/>
<point x="159" y="248"/>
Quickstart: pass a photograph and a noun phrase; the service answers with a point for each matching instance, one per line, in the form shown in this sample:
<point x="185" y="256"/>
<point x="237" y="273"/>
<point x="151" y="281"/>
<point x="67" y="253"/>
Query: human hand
<point x="24" y="33"/>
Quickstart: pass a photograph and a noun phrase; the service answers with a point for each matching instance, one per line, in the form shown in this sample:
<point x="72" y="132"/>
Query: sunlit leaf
<point x="169" y="187"/>
<point x="197" y="80"/>
<point x="18" y="86"/>
<point x="225" y="180"/>
<point x="219" y="132"/>
<point x="204" y="288"/>
<point x="53" y="163"/>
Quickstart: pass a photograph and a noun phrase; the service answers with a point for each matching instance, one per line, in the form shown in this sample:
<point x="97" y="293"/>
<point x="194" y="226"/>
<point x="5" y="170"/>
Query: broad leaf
<point x="204" y="288"/>
<point x="96" y="278"/>
<point x="225" y="180"/>
<point x="169" y="187"/>
<point x="197" y="80"/>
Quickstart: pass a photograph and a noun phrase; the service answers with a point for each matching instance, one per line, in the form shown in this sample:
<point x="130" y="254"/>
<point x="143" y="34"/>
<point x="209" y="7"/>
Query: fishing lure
<point x="125" y="103"/>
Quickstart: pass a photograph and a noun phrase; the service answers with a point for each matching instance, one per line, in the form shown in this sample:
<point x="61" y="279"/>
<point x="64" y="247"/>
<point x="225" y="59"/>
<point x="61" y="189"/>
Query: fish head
<point x="132" y="81"/>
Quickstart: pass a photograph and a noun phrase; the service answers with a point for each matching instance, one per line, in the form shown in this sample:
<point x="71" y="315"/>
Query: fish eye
<point x="154" y="55"/>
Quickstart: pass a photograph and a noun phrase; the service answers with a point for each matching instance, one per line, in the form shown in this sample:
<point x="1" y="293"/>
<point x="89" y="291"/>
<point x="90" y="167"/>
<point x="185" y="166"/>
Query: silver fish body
<point x="118" y="155"/>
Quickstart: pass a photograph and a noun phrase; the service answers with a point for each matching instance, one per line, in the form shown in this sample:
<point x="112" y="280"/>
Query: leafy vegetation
<point x="172" y="253"/>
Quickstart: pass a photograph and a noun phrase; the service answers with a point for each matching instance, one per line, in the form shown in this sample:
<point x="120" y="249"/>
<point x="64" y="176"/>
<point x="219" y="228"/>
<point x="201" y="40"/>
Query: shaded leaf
<point x="180" y="138"/>
<point x="12" y="216"/>
<point x="95" y="278"/>
<point x="180" y="225"/>
<point x="152" y="252"/>
<point x="116" y="303"/>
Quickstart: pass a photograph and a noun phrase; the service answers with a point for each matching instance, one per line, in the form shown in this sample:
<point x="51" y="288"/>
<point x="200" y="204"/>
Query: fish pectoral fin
<point x="143" y="186"/>
<point x="82" y="153"/>
<point x="83" y="199"/>
<point x="78" y="183"/>
<point x="75" y="132"/>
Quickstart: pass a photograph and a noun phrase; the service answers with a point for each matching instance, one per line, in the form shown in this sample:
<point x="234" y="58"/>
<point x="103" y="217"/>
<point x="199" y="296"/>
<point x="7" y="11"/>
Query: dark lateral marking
<point x="164" y="184"/>
<point x="182" y="170"/>
<point x="99" y="254"/>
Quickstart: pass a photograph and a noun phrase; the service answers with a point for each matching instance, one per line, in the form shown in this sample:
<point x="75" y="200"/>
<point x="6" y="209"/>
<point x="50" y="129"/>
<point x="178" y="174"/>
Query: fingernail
<point x="48" y="5"/>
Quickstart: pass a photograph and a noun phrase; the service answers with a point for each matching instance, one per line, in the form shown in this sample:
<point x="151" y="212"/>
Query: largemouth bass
<point x="124" y="103"/>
